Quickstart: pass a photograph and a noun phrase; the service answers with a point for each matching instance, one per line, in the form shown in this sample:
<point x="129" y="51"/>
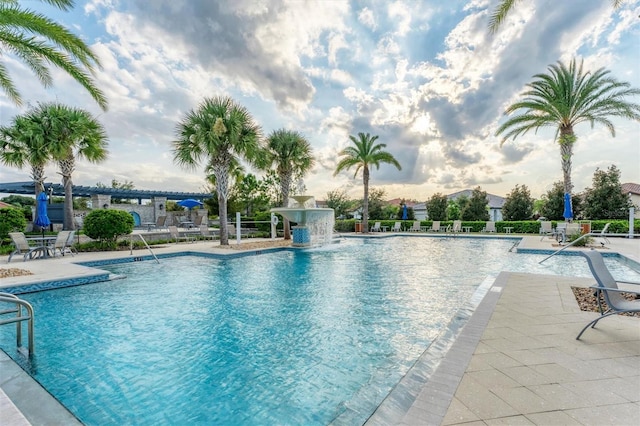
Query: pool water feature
<point x="305" y="337"/>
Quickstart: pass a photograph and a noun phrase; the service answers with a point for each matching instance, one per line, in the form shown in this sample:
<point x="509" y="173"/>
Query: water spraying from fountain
<point x="314" y="226"/>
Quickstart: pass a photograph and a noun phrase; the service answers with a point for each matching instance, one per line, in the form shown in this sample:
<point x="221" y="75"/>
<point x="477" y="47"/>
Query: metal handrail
<point x="148" y="248"/>
<point x="588" y="234"/>
<point x="20" y="304"/>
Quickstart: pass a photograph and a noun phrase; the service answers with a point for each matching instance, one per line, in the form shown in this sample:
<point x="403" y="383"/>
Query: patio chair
<point x="457" y="226"/>
<point x="68" y="248"/>
<point x="204" y="232"/>
<point x="546" y="229"/>
<point x="489" y="227"/>
<point x="60" y="243"/>
<point x="175" y="234"/>
<point x="198" y="221"/>
<point x="415" y="227"/>
<point x="22" y="246"/>
<point x="376" y="227"/>
<point x="607" y="287"/>
<point x="435" y="226"/>
<point x="397" y="227"/>
<point x="161" y="222"/>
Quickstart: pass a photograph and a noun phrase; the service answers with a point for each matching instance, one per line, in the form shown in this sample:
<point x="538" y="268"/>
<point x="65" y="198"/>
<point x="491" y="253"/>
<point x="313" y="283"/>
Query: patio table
<point x="44" y="244"/>
<point x="508" y="229"/>
<point x="467" y="229"/>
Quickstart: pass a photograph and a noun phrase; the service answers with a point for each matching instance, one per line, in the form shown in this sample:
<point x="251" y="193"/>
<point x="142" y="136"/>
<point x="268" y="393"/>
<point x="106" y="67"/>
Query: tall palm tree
<point x="363" y="154"/>
<point x="71" y="134"/>
<point x="22" y="144"/>
<point x="218" y="131"/>
<point x="291" y="153"/>
<point x="565" y="97"/>
<point x="501" y="11"/>
<point x="39" y="41"/>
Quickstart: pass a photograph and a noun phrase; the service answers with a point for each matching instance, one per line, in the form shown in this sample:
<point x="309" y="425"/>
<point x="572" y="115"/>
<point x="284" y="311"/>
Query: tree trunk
<point x="220" y="168"/>
<point x="37" y="174"/>
<point x="66" y="169"/>
<point x="365" y="202"/>
<point x="222" y="214"/>
<point x="566" y="141"/>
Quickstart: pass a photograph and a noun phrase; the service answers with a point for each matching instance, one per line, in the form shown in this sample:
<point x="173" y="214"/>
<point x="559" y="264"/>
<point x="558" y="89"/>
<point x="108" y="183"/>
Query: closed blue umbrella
<point x="42" y="220"/>
<point x="568" y="213"/>
<point x="405" y="214"/>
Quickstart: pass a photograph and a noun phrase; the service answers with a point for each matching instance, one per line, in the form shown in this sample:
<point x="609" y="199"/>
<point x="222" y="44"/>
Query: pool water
<point x="304" y="337"/>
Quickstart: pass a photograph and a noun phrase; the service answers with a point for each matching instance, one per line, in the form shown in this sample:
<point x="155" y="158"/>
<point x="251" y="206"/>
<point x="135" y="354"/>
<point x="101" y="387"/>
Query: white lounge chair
<point x="175" y="234"/>
<point x="457" y="226"/>
<point x="397" y="227"/>
<point x="435" y="226"/>
<point x="60" y="243"/>
<point x="489" y="227"/>
<point x="546" y="229"/>
<point x="204" y="232"/>
<point x="608" y="288"/>
<point x="376" y="227"/>
<point x="415" y="227"/>
<point x="22" y="247"/>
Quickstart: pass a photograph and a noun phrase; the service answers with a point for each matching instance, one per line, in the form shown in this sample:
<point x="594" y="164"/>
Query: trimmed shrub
<point x="107" y="225"/>
<point x="11" y="220"/>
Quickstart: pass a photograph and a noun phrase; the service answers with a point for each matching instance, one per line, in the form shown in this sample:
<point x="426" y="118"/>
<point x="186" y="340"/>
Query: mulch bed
<point x="587" y="301"/>
<point x="13" y="272"/>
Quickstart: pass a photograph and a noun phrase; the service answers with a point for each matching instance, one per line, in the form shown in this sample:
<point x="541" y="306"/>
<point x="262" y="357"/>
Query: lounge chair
<point x="397" y="227"/>
<point x="22" y="247"/>
<point x="546" y="229"/>
<point x="60" y="243"/>
<point x="457" y="226"/>
<point x="376" y="227"/>
<point x="435" y="226"/>
<point x="198" y="221"/>
<point x="415" y="227"/>
<point x="489" y="227"/>
<point x="175" y="234"/>
<point x="608" y="288"/>
<point x="204" y="232"/>
<point x="68" y="248"/>
<point x="161" y="222"/>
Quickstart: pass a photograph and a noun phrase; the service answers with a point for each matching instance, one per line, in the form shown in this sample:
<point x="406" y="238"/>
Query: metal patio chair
<point x="607" y="287"/>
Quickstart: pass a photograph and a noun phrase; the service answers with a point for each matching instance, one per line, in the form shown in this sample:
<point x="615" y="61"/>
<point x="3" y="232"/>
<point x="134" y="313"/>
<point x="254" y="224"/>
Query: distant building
<point x="633" y="189"/>
<point x="495" y="205"/>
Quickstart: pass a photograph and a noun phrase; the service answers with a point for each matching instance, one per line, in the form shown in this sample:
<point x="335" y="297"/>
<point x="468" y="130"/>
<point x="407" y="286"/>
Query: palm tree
<point x="70" y="133"/>
<point x="22" y="144"/>
<point x="291" y="153"/>
<point x="565" y="97"/>
<point x="362" y="154"/>
<point x="501" y="11"/>
<point x="39" y="41"/>
<point x="219" y="131"/>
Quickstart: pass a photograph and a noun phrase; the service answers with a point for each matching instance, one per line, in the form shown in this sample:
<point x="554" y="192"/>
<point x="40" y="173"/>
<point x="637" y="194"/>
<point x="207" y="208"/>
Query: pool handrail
<point x="588" y="234"/>
<point x="20" y="304"/>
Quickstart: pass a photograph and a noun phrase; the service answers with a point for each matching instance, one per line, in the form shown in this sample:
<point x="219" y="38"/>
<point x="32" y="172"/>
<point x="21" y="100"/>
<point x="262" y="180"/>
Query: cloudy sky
<point x="425" y="76"/>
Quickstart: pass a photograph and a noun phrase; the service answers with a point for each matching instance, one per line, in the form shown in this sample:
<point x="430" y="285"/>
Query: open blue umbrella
<point x="405" y="214"/>
<point x="42" y="220"/>
<point x="568" y="213"/>
<point x="190" y="203"/>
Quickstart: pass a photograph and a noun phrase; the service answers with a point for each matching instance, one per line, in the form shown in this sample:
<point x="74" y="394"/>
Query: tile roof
<point x="632" y="188"/>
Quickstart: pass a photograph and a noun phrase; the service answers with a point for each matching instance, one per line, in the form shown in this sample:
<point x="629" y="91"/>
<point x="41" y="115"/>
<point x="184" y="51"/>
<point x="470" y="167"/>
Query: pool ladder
<point x="21" y="306"/>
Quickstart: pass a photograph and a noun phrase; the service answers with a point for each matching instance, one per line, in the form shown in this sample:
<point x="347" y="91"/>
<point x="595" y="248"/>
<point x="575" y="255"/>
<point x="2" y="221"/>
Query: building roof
<point x="28" y="188"/>
<point x="631" y="188"/>
<point x="3" y="205"/>
<point x="495" y="201"/>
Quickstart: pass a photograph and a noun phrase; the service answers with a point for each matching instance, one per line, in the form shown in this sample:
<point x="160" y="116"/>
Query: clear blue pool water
<point x="285" y="338"/>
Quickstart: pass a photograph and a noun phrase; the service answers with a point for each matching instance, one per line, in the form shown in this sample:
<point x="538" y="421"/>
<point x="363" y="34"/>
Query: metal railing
<point x="589" y="234"/>
<point x="146" y="245"/>
<point x="20" y="305"/>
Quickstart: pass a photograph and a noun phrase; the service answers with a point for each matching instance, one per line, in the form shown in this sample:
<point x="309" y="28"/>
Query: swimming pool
<point x="304" y="337"/>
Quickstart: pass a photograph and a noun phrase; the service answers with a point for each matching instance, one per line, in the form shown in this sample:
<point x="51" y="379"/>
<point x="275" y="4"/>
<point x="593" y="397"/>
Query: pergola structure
<point x="28" y="188"/>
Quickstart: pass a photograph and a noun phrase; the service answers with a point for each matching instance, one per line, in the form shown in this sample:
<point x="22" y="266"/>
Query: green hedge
<point x="519" y="227"/>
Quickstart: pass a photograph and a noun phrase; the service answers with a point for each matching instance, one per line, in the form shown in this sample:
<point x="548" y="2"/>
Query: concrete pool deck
<point x="516" y="361"/>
